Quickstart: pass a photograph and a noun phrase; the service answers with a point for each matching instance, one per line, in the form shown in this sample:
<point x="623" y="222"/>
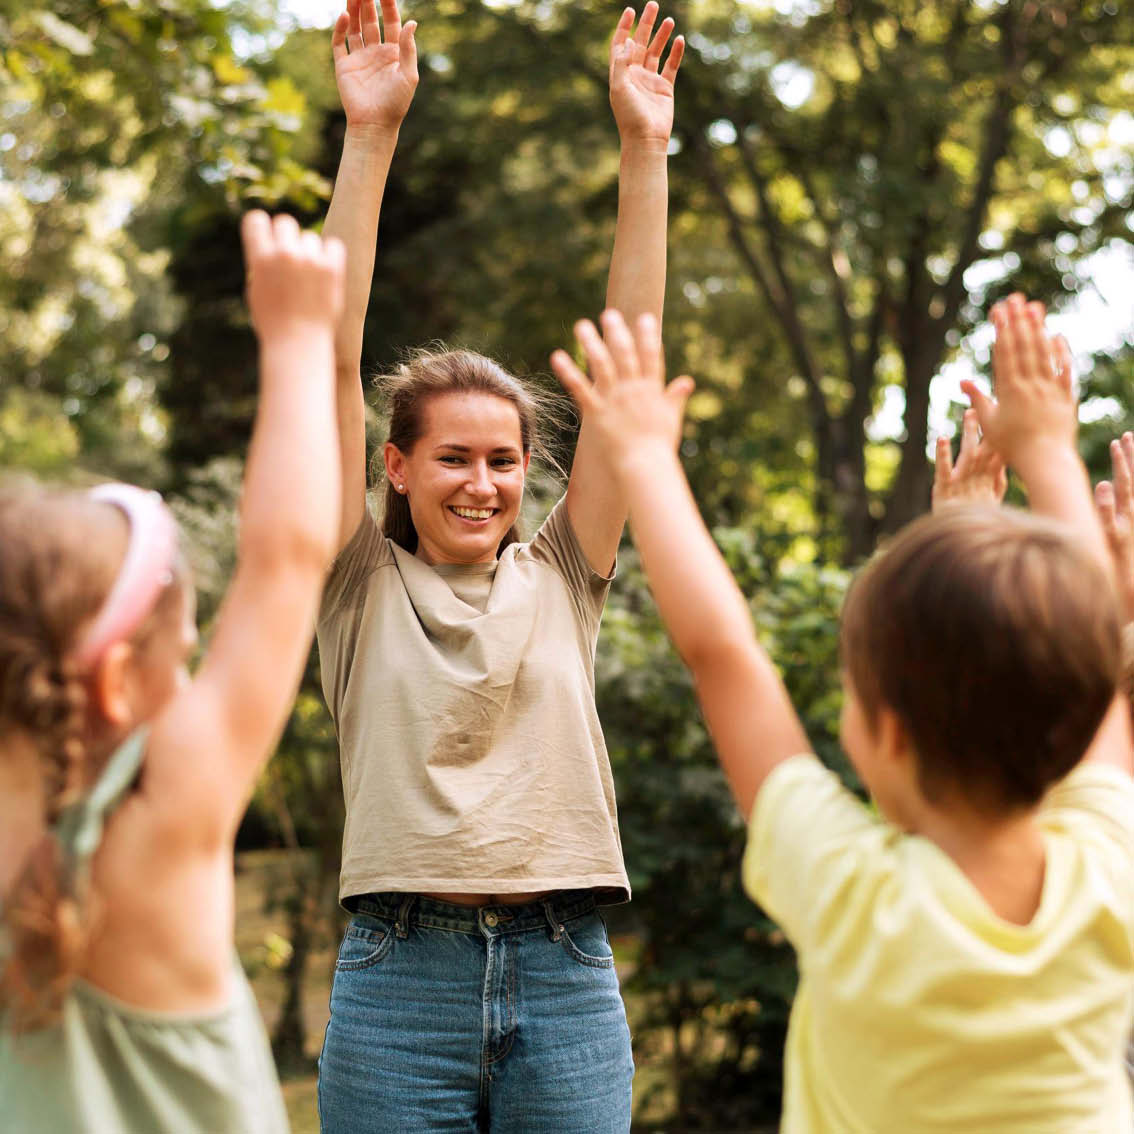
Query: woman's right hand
<point x="376" y="74"/>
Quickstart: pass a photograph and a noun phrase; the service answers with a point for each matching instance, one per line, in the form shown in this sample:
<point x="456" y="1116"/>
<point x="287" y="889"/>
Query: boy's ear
<point x="111" y="685"/>
<point x="893" y="741"/>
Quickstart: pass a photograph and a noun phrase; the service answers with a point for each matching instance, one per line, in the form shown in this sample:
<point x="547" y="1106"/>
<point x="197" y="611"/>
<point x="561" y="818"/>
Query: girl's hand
<point x="376" y="75"/>
<point x="978" y="477"/>
<point x="626" y="396"/>
<point x="294" y="279"/>
<point x="1115" y="501"/>
<point x="641" y="97"/>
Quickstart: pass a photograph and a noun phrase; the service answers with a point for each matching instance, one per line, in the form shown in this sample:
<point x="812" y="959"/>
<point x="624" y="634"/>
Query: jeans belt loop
<point x="401" y="922"/>
<point x="552" y="921"/>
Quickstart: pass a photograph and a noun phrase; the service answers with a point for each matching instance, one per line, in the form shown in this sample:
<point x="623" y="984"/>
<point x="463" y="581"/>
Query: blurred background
<point x="852" y="185"/>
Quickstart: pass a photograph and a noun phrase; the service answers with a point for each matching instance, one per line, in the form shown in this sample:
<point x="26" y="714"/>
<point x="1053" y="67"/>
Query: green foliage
<point x="715" y="974"/>
<point x="111" y="110"/>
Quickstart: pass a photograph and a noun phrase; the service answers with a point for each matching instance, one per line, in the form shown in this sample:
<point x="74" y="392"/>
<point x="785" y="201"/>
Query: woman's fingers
<point x="339" y="37"/>
<point x="657" y="45"/>
<point x="676" y="54"/>
<point x="391" y="20"/>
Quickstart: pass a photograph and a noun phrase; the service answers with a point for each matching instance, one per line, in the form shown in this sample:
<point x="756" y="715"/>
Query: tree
<point x="872" y="163"/>
<point x="108" y="107"/>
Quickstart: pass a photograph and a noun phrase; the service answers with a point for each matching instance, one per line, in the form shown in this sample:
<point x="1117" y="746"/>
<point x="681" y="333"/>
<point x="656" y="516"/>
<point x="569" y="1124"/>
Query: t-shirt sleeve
<point x="340" y="612"/>
<point x="808" y="840"/>
<point x="1096" y="803"/>
<point x="557" y="545"/>
<point x="366" y="550"/>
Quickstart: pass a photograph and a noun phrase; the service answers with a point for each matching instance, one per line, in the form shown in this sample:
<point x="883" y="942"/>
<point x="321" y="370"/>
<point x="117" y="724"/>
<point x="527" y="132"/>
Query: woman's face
<point x="464" y="478"/>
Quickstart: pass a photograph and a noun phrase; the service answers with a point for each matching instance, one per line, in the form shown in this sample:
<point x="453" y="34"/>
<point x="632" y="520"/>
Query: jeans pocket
<point x="585" y="939"/>
<point x="366" y="942"/>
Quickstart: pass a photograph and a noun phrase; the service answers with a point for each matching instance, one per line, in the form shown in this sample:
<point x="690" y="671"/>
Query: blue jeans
<point x="505" y="1019"/>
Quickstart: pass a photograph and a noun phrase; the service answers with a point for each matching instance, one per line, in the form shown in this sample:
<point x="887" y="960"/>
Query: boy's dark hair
<point x="995" y="639"/>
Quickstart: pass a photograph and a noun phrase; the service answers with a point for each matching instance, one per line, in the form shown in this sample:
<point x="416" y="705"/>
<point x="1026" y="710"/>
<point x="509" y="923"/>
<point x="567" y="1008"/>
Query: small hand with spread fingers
<point x="625" y="398"/>
<point x="375" y="63"/>
<point x="978" y="477"/>
<point x="1035" y="411"/>
<point x="1115" y="501"/>
<point x="294" y="278"/>
<point x="641" y="89"/>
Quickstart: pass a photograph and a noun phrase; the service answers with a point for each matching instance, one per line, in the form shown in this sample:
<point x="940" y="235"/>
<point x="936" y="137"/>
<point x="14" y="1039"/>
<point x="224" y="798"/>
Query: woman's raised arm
<point x="641" y="95"/>
<point x="376" y="73"/>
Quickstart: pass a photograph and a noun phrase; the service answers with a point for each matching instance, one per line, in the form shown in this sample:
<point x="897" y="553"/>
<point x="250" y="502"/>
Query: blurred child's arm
<point x="978" y="476"/>
<point x="637" y="419"/>
<point x="641" y="95"/>
<point x="1034" y="423"/>
<point x="207" y="748"/>
<point x="376" y="82"/>
<point x="1115" y="501"/>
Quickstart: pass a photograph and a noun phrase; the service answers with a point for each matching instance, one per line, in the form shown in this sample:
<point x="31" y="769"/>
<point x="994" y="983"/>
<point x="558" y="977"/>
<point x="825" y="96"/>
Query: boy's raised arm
<point x="376" y="73"/>
<point x="641" y="96"/>
<point x="637" y="420"/>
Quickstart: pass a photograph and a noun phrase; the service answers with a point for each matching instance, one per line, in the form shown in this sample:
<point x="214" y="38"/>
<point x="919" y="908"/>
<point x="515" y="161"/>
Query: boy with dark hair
<point x="965" y="957"/>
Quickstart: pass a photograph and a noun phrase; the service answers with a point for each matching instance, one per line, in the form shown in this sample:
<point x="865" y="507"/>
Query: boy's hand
<point x="294" y="279"/>
<point x="1035" y="414"/>
<point x="1115" y="502"/>
<point x="626" y="397"/>
<point x="641" y="97"/>
<point x="978" y="477"/>
<point x="376" y="78"/>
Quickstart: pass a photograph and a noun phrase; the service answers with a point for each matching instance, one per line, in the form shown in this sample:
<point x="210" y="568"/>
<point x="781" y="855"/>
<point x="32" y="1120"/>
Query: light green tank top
<point x="109" y="1068"/>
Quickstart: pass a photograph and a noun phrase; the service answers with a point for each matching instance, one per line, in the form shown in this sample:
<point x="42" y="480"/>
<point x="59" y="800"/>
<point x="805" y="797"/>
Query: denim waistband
<point x="416" y="909"/>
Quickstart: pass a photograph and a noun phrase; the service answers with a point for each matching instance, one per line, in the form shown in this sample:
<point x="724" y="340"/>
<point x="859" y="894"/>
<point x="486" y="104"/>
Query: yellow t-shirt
<point x="918" y="1008"/>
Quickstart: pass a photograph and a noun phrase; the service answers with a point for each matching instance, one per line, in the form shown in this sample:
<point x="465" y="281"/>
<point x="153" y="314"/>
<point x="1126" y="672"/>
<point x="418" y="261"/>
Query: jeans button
<point x="491" y="920"/>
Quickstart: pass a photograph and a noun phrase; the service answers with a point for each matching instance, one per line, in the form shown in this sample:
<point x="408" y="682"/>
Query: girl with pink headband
<point x="122" y="781"/>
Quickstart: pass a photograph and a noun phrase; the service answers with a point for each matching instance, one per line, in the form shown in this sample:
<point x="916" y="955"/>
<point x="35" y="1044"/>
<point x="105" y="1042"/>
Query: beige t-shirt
<point x="472" y="756"/>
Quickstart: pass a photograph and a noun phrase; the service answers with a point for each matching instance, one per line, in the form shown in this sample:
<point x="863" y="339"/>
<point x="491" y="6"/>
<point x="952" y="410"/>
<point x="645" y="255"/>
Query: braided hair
<point x="59" y="555"/>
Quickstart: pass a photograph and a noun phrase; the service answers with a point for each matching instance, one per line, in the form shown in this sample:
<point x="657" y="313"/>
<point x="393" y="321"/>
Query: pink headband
<point x="146" y="569"/>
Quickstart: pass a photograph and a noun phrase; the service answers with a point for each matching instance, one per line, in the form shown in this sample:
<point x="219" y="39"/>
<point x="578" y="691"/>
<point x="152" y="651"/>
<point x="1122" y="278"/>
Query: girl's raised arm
<point x="641" y="95"/>
<point x="208" y="746"/>
<point x="376" y="73"/>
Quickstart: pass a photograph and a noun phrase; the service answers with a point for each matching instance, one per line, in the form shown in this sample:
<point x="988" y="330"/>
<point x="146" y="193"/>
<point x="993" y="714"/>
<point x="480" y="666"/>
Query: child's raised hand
<point x="1035" y="412"/>
<point x="294" y="280"/>
<point x="978" y="477"/>
<point x="376" y="74"/>
<point x="626" y="396"/>
<point x="1115" y="501"/>
<point x="641" y="95"/>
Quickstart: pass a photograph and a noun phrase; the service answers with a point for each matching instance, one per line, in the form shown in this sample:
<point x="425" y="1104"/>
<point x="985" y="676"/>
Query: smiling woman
<point x="475" y="987"/>
<point x="462" y="431"/>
